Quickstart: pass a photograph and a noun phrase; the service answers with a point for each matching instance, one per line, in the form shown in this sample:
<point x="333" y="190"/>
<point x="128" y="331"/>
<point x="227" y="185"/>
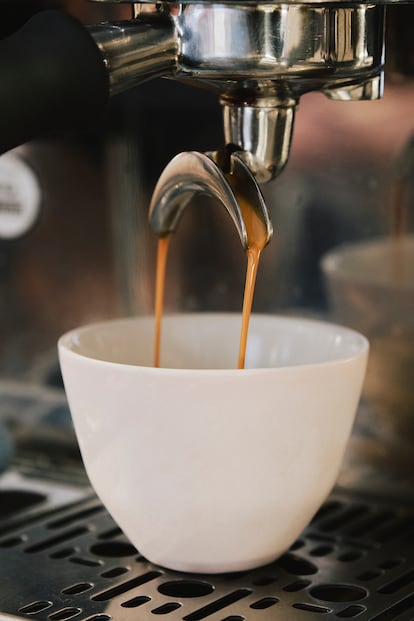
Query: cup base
<point x="197" y="567"/>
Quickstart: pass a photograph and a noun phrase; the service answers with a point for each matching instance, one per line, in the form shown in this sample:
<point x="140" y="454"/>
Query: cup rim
<point x="361" y="345"/>
<point x="334" y="264"/>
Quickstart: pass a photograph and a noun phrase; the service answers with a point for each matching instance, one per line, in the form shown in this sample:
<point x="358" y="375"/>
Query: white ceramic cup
<point x="207" y="468"/>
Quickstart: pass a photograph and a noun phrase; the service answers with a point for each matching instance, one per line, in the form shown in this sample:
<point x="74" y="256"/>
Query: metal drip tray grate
<point x="356" y="560"/>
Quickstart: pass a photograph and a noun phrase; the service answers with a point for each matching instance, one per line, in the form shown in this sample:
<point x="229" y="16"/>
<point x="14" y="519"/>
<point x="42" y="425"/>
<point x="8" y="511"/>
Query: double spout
<point x="222" y="176"/>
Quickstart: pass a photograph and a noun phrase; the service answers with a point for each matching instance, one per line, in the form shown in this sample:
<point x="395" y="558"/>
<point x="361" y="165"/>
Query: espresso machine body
<point x="295" y="88"/>
<point x="318" y="99"/>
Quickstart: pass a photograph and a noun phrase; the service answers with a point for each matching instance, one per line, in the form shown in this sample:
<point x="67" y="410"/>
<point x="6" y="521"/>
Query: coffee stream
<point x="257" y="239"/>
<point x="162" y="252"/>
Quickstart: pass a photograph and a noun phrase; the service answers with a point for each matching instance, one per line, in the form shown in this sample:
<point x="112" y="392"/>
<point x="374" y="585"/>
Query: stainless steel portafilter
<point x="259" y="57"/>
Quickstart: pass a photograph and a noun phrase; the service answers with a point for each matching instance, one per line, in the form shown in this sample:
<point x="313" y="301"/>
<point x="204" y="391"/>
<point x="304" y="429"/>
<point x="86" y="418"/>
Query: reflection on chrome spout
<point x="192" y="173"/>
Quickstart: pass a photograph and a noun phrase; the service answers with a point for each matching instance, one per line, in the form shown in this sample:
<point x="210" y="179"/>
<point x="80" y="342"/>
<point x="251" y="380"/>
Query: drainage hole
<point x="338" y="592"/>
<point x="351" y="612"/>
<point x="218" y="604"/>
<point x="296" y="565"/>
<point x="12" y="542"/>
<point x="346" y="517"/>
<point x="263" y="603"/>
<point x="320" y="537"/>
<point x="111" y="534"/>
<point x="98" y="617"/>
<point x="312" y="608"/>
<point x="369" y="575"/>
<point x="113" y="549"/>
<point x="298" y="585"/>
<point x="51" y="542"/>
<point x="80" y="587"/>
<point x="63" y="553"/>
<point x="297" y="545"/>
<point x="74" y="517"/>
<point x="124" y="587"/>
<point x="234" y="618"/>
<point x="235" y="575"/>
<point x="13" y="501"/>
<point x="327" y="509"/>
<point x="166" y="608"/>
<point x="185" y="588"/>
<point x="264" y="581"/>
<point x="136" y="601"/>
<point x="396" y="528"/>
<point x="349" y="557"/>
<point x="34" y="607"/>
<point x="86" y="562"/>
<point x="321" y="551"/>
<point x="64" y="613"/>
<point x="390" y="564"/>
<point x="114" y="572"/>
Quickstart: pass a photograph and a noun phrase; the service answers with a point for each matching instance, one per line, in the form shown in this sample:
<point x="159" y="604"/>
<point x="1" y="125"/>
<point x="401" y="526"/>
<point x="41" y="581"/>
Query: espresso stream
<point x="257" y="239"/>
<point x="162" y="252"/>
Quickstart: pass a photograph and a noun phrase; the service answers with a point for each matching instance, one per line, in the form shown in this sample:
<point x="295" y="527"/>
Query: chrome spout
<point x="262" y="129"/>
<point x="192" y="173"/>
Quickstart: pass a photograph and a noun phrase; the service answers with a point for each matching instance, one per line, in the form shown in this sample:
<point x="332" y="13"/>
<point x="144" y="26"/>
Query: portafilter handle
<point x="57" y="74"/>
<point x="259" y="58"/>
<point x="52" y="77"/>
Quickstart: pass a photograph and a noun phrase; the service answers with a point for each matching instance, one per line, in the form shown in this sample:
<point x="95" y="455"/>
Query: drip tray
<point x="68" y="560"/>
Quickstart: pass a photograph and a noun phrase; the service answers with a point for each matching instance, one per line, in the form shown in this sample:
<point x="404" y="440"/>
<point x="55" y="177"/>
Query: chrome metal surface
<point x="192" y="173"/>
<point x="253" y="2"/>
<point x="355" y="560"/>
<point x="136" y="51"/>
<point x="247" y="47"/>
<point x="263" y="131"/>
<point x="368" y="90"/>
<point x="238" y="41"/>
<point x="260" y="58"/>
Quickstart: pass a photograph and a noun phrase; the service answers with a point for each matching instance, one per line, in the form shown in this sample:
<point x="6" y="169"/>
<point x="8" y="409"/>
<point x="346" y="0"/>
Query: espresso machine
<point x="315" y="100"/>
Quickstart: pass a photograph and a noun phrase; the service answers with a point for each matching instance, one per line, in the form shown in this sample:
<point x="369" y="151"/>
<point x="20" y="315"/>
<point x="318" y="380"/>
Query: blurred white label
<point x="19" y="197"/>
